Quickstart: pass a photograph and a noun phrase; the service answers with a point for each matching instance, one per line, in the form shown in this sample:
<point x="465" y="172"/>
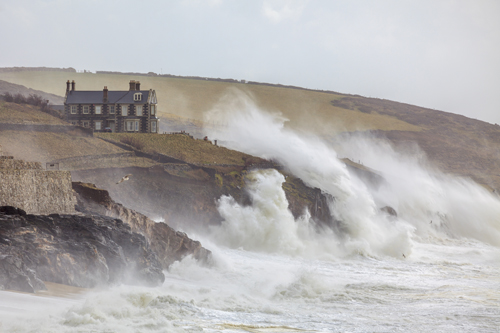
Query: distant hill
<point x="7" y="87"/>
<point x="456" y="144"/>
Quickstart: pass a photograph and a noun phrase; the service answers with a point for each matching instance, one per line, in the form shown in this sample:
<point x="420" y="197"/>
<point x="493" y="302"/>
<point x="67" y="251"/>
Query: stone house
<point x="130" y="111"/>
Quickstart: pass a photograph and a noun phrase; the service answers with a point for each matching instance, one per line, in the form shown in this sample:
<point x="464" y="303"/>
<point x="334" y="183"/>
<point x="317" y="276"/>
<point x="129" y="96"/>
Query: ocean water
<point x="436" y="267"/>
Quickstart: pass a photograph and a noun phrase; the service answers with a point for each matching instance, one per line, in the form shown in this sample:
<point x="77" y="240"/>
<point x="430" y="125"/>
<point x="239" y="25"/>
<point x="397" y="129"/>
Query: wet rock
<point x="15" y="275"/>
<point x="10" y="210"/>
<point x="168" y="244"/>
<point x="390" y="211"/>
<point x="80" y="251"/>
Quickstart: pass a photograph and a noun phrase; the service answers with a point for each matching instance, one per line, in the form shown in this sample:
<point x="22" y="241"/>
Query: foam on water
<point x="272" y="273"/>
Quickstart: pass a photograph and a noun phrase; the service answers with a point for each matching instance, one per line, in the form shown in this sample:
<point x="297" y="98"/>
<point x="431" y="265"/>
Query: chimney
<point x="132" y="85"/>
<point x="137" y="85"/>
<point x="73" y="85"/>
<point x="67" y="85"/>
<point x="105" y="95"/>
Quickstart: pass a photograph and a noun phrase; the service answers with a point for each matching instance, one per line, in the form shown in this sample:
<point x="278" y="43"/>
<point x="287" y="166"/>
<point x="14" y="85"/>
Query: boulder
<point x="80" y="251"/>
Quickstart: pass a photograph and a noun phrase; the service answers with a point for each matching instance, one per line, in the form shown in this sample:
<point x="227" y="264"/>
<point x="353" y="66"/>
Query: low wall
<point x="19" y="164"/>
<point x="37" y="191"/>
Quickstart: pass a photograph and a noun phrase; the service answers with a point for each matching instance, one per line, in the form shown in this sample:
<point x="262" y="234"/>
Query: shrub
<point x="19" y="99"/>
<point x="8" y="97"/>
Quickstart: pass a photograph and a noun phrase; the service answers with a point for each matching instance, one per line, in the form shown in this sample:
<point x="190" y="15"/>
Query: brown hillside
<point x="454" y="143"/>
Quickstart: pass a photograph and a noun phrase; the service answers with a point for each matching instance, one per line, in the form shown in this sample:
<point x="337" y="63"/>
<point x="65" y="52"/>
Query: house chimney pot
<point x="73" y="85"/>
<point x="132" y="85"/>
<point x="137" y="85"/>
<point x="105" y="94"/>
<point x="67" y="85"/>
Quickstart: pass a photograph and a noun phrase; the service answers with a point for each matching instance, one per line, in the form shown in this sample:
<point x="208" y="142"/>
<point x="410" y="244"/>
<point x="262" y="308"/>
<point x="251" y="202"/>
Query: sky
<point x="440" y="54"/>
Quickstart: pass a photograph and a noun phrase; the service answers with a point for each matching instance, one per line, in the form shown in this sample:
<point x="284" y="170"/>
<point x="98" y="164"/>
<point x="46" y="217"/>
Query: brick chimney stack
<point x="73" y="85"/>
<point x="132" y="85"/>
<point x="105" y="95"/>
<point x="137" y="85"/>
<point x="67" y="86"/>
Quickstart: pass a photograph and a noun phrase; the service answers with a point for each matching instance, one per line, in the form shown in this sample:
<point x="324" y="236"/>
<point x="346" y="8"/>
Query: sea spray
<point x="256" y="132"/>
<point x="436" y="204"/>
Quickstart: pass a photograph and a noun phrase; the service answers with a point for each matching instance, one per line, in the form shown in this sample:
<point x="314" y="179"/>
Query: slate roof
<point x="95" y="97"/>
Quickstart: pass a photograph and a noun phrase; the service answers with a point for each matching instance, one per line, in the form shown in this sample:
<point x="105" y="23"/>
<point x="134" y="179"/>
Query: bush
<point x="8" y="97"/>
<point x="19" y="99"/>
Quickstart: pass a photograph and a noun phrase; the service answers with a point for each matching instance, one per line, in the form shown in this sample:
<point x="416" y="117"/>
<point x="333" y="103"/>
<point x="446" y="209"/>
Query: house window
<point x="138" y="110"/>
<point x="153" y="127"/>
<point x="73" y="109"/>
<point x="112" y="109"/>
<point x="98" y="109"/>
<point x="73" y="123"/>
<point x="97" y="125"/>
<point x="124" y="110"/>
<point x="85" y="123"/>
<point x="137" y="97"/>
<point x="85" y="109"/>
<point x="132" y="125"/>
<point x="153" y="110"/>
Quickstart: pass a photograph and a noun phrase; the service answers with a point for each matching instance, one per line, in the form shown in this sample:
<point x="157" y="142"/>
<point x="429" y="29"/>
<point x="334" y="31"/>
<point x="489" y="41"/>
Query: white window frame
<point x="132" y="125"/>
<point x="153" y="109"/>
<point x="97" y="125"/>
<point x="85" y="123"/>
<point x="138" y="110"/>
<point x="98" y="109"/>
<point x="111" y="109"/>
<point x="124" y="108"/>
<point x="86" y="109"/>
<point x="74" y="109"/>
<point x="138" y="97"/>
<point x="154" y="126"/>
<point x="129" y="125"/>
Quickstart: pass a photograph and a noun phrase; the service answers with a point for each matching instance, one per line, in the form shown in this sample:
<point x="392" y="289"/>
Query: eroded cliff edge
<point x="169" y="245"/>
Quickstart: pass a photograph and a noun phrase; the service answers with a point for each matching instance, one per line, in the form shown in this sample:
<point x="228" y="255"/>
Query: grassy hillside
<point x="181" y="147"/>
<point x="454" y="143"/>
<point x="190" y="98"/>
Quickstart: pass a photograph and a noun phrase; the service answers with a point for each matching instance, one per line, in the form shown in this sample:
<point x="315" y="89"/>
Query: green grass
<point x="181" y="147"/>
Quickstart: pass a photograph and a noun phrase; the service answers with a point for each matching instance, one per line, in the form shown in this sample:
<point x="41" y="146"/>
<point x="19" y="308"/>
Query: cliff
<point x="169" y="245"/>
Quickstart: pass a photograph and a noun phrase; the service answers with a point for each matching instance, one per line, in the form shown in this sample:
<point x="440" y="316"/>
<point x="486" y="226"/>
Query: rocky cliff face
<point x="81" y="251"/>
<point x="193" y="201"/>
<point x="169" y="245"/>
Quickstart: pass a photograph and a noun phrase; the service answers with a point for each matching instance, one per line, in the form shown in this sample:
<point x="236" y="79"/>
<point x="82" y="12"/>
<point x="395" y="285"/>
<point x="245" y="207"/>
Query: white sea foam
<point x="456" y="207"/>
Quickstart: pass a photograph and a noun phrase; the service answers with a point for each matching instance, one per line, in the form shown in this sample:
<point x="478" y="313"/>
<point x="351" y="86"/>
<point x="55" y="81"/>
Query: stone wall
<point x="27" y="186"/>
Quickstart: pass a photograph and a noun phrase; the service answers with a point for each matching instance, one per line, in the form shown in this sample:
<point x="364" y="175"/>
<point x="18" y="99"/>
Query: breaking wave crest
<point x="457" y="207"/>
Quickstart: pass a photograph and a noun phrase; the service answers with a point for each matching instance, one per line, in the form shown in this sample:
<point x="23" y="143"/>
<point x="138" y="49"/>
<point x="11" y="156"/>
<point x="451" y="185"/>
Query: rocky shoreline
<point x="88" y="249"/>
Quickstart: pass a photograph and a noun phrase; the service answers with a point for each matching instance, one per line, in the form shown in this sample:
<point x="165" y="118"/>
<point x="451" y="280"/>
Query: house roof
<point x="95" y="97"/>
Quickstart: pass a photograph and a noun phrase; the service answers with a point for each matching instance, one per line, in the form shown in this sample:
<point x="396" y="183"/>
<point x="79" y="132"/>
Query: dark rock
<point x="168" y="244"/>
<point x="81" y="251"/>
<point x="15" y="275"/>
<point x="9" y="210"/>
<point x="389" y="210"/>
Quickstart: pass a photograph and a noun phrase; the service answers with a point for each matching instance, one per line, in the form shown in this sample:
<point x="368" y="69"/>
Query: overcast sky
<point x="441" y="54"/>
